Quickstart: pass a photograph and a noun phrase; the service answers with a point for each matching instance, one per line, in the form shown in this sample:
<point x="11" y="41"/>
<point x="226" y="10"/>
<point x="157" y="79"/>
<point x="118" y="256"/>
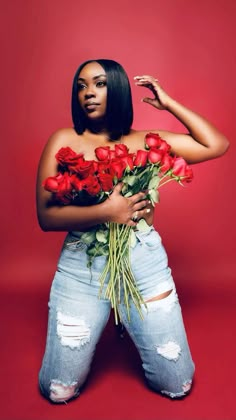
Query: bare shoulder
<point x="62" y="138"/>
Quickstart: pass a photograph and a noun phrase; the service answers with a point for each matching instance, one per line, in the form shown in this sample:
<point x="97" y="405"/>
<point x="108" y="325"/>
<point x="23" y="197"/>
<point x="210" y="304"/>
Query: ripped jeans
<point x="77" y="318"/>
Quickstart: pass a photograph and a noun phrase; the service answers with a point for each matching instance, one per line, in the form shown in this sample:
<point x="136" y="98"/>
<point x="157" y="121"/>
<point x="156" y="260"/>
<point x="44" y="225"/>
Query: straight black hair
<point x="119" y="111"/>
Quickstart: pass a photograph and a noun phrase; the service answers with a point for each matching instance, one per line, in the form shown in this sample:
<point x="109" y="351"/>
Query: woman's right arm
<point x="54" y="217"/>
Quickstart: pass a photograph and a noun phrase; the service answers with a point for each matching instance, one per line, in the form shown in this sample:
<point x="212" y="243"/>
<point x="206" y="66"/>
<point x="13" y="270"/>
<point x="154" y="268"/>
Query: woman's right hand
<point x="128" y="210"/>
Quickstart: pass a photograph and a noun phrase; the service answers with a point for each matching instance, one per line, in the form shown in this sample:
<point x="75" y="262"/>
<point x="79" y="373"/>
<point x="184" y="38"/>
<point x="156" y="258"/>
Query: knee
<point x="182" y="392"/>
<point x="58" y="392"/>
<point x="173" y="386"/>
<point x="171" y="390"/>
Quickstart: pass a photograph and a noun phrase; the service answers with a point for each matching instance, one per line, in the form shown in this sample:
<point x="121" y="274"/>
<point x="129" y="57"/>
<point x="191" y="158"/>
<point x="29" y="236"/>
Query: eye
<point x="101" y="83"/>
<point x="81" y="86"/>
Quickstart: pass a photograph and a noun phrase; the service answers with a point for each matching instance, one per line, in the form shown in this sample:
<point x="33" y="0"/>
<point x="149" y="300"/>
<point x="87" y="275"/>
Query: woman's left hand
<point x="161" y="98"/>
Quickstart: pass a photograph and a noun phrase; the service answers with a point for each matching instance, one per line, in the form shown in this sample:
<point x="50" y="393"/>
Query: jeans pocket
<point x="73" y="243"/>
<point x="150" y="240"/>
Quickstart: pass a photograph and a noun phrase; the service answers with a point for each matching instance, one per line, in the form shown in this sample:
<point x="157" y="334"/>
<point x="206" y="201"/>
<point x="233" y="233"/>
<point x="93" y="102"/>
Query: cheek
<point x="79" y="96"/>
<point x="105" y="100"/>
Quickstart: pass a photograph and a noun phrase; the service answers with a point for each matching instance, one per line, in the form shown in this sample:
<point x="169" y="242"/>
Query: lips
<point x="90" y="105"/>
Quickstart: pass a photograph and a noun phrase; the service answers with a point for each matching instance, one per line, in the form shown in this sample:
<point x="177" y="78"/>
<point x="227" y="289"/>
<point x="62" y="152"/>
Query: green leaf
<point x="154" y="196"/>
<point x="155" y="170"/>
<point x="101" y="236"/>
<point x="143" y="226"/>
<point x="153" y="183"/>
<point x="130" y="180"/>
<point x="88" y="237"/>
<point x="133" y="239"/>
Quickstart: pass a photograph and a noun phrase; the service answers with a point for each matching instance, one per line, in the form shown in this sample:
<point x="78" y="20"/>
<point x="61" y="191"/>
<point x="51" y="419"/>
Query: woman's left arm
<point x="203" y="140"/>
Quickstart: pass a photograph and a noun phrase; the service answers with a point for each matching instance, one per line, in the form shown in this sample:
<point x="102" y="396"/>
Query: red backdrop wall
<point x="189" y="46"/>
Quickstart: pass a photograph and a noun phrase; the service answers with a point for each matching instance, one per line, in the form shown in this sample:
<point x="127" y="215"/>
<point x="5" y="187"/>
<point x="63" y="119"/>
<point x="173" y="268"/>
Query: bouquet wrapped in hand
<point x="86" y="182"/>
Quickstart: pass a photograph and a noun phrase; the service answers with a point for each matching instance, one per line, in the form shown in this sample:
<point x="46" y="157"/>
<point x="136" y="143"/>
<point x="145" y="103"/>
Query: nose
<point x="89" y="93"/>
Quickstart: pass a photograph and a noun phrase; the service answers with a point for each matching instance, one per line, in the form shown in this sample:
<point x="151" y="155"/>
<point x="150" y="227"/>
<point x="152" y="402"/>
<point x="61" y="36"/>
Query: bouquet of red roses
<point x="86" y="182"/>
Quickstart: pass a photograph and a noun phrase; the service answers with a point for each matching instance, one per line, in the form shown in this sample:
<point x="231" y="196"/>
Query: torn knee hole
<point x="186" y="387"/>
<point x="60" y="392"/>
<point x="159" y="297"/>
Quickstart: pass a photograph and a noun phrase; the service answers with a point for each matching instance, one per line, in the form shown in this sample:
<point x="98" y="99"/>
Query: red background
<point x="190" y="47"/>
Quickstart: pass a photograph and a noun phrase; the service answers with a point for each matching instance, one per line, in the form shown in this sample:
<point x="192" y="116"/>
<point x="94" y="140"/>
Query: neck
<point x="98" y="127"/>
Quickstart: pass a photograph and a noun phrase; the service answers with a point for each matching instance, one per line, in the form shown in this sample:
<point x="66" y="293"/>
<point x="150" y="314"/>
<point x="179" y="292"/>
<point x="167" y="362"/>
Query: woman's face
<point x="92" y="93"/>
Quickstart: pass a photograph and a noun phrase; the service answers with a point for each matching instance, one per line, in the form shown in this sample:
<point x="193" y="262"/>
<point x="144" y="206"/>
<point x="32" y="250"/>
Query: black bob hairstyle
<point x="119" y="111"/>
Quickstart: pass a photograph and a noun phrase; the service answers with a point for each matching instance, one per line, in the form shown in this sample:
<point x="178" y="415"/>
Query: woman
<point x="102" y="115"/>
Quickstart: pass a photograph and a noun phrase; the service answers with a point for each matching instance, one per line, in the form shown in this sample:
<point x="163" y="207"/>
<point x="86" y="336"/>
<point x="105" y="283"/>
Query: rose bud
<point x="112" y="154"/>
<point x="152" y="140"/>
<point x="179" y="167"/>
<point x="106" y="181"/>
<point x="155" y="155"/>
<point x="65" y="184"/>
<point x="165" y="147"/>
<point x="66" y="155"/>
<point x="116" y="168"/>
<point x="188" y="174"/>
<point x="121" y="150"/>
<point x="166" y="163"/>
<point x="51" y="184"/>
<point x="76" y="183"/>
<point x="103" y="166"/>
<point x="102" y="153"/>
<point x="182" y="170"/>
<point x="84" y="168"/>
<point x="141" y="158"/>
<point x="91" y="185"/>
<point x="128" y="161"/>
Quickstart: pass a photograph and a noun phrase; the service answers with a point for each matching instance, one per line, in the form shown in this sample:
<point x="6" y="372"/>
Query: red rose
<point x="102" y="153"/>
<point x="141" y="158"/>
<point x="103" y="166"/>
<point x="112" y="154"/>
<point x="121" y="150"/>
<point x="106" y="181"/>
<point x="165" y="147"/>
<point x="128" y="161"/>
<point x="181" y="169"/>
<point x="51" y="183"/>
<point x="155" y="155"/>
<point x="67" y="156"/>
<point x="152" y="140"/>
<point x="64" y="185"/>
<point x="116" y="168"/>
<point x="59" y="183"/>
<point x="179" y="166"/>
<point x="76" y="183"/>
<point x="83" y="168"/>
<point x="188" y="174"/>
<point x="91" y="185"/>
<point x="166" y="163"/>
<point x="95" y="165"/>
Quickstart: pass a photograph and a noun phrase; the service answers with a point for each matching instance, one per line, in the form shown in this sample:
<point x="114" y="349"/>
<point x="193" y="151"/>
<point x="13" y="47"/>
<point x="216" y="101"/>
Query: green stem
<point x="166" y="182"/>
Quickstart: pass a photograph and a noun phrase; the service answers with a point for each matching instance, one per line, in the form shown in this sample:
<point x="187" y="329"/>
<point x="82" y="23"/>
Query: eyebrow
<point x="94" y="78"/>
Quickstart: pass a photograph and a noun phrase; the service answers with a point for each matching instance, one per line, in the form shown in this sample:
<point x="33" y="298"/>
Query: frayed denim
<point x="77" y="318"/>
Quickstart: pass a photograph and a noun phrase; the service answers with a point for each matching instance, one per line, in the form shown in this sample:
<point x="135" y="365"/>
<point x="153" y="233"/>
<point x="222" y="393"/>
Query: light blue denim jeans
<point x="77" y="318"/>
